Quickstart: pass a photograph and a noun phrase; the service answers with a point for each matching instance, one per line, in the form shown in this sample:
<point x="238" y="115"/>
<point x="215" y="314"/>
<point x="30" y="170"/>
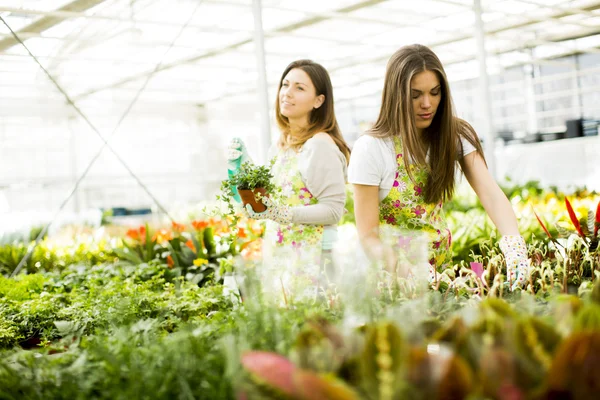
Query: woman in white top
<point x="310" y="167"/>
<point x="403" y="168"/>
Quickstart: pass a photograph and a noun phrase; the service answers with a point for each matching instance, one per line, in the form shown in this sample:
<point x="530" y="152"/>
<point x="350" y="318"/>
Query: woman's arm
<point x="492" y="198"/>
<point x="323" y="170"/>
<point x="498" y="207"/>
<point x="366" y="211"/>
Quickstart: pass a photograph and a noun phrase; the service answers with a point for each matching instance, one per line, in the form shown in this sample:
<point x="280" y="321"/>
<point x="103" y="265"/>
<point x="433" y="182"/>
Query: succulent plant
<point x="575" y="370"/>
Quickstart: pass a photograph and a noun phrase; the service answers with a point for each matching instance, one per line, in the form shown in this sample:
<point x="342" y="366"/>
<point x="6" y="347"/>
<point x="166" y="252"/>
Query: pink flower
<point x="418" y="210"/>
<point x="418" y="191"/>
<point x="305" y="193"/>
<point x="398" y="204"/>
<point x="279" y="236"/>
<point x="477" y="268"/>
<point x="436" y="245"/>
<point x="390" y="219"/>
<point x="404" y="242"/>
<point x="396" y="183"/>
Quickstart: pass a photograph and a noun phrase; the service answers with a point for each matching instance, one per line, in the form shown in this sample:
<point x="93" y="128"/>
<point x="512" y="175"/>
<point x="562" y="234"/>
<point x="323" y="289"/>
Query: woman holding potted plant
<point x="309" y="165"/>
<point x="403" y="169"/>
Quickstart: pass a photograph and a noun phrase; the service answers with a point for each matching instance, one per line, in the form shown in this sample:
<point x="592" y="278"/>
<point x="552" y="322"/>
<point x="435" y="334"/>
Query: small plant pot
<point x="249" y="197"/>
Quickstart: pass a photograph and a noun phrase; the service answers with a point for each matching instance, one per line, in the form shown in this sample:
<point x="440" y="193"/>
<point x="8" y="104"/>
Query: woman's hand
<point x="279" y="213"/>
<point x="517" y="264"/>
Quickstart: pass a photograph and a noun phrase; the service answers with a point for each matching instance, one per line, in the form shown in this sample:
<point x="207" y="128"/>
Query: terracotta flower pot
<point x="249" y="197"/>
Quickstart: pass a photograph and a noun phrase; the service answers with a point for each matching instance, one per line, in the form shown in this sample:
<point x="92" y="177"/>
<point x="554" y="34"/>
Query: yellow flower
<point x="200" y="261"/>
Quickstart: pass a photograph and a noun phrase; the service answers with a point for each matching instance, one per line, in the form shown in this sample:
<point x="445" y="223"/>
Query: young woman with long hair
<point x="310" y="167"/>
<point x="403" y="169"/>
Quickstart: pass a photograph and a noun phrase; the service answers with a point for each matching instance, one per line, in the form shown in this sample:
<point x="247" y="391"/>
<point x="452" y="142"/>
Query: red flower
<point x="542" y="224"/>
<point x="597" y="220"/>
<point x="573" y="217"/>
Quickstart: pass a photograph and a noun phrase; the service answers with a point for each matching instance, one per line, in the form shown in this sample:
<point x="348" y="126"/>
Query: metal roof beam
<point x="47" y="22"/>
<point x="233" y="46"/>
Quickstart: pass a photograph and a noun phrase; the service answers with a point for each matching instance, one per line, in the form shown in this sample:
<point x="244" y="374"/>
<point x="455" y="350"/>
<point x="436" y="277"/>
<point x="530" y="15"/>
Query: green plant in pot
<point x="252" y="182"/>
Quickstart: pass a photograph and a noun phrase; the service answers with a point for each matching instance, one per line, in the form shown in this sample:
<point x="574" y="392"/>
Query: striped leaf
<point x="590" y="221"/>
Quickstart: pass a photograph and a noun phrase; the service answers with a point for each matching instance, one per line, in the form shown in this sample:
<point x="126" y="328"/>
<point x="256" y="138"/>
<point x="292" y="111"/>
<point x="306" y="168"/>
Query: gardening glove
<point x="517" y="265"/>
<point x="275" y="212"/>
<point x="236" y="156"/>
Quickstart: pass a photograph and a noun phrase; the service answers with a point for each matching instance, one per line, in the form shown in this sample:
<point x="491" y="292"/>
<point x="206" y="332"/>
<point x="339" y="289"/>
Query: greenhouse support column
<point x="576" y="101"/>
<point x="530" y="105"/>
<point x="484" y="84"/>
<point x="261" y="69"/>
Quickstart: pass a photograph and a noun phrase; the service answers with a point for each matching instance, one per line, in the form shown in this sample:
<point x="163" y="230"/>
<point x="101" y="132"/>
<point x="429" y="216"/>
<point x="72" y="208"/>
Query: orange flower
<point x="133" y="234"/>
<point x="190" y="244"/>
<point x="137" y="234"/>
<point x="252" y="250"/>
<point x="199" y="225"/>
<point x="242" y="233"/>
<point x="170" y="262"/>
<point x="177" y="227"/>
<point x="162" y="235"/>
<point x="219" y="225"/>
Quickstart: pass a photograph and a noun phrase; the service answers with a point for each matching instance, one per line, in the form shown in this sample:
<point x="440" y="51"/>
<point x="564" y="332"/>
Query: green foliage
<point x="48" y="258"/>
<point x="133" y="362"/>
<point x="99" y="299"/>
<point x="101" y="323"/>
<point x="250" y="177"/>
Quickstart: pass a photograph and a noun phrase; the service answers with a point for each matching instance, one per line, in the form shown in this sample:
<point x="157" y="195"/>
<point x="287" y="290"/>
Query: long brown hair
<point x="321" y="119"/>
<point x="442" y="137"/>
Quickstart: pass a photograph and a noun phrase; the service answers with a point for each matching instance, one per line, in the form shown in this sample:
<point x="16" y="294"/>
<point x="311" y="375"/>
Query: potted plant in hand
<point x="252" y="182"/>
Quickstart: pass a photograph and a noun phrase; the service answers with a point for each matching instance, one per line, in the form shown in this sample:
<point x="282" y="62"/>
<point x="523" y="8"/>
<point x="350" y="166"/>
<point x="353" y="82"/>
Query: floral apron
<point x="292" y="252"/>
<point x="405" y="207"/>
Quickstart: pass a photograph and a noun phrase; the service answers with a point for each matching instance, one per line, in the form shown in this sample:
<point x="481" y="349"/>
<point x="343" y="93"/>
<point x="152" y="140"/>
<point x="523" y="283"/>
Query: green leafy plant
<point x="249" y="177"/>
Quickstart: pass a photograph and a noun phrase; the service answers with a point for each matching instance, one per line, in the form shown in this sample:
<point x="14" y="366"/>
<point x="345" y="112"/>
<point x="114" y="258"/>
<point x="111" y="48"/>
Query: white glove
<point x="275" y="212"/>
<point x="517" y="264"/>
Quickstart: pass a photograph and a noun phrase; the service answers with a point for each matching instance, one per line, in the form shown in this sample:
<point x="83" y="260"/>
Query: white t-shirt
<point x="373" y="162"/>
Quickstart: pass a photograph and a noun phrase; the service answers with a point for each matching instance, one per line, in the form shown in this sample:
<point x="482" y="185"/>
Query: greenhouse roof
<point x="203" y="51"/>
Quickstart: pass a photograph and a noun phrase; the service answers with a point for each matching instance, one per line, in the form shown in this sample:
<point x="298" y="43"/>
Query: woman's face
<point x="297" y="95"/>
<point x="426" y="93"/>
